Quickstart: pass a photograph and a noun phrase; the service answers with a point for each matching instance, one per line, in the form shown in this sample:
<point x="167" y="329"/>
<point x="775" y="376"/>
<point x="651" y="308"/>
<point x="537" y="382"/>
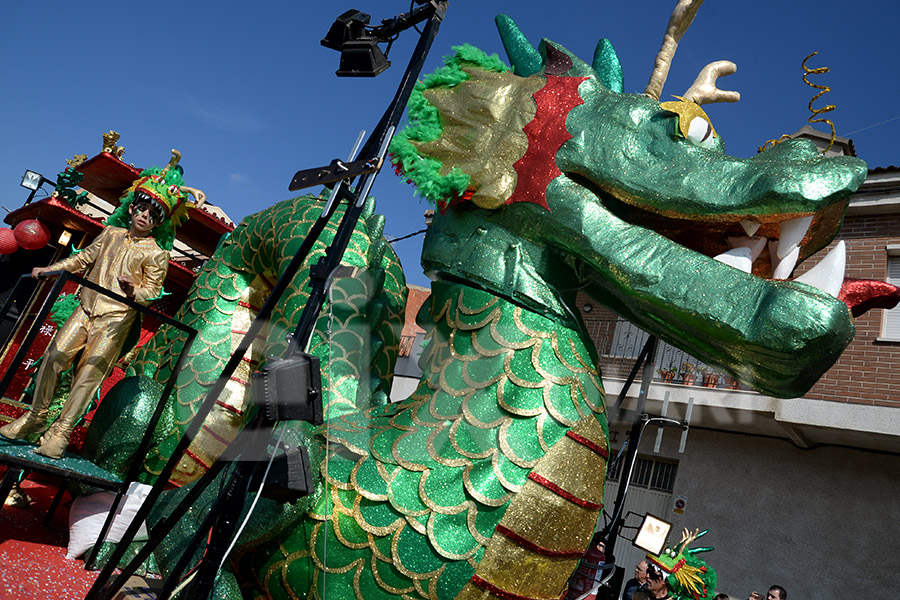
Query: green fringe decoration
<point x="425" y="126"/>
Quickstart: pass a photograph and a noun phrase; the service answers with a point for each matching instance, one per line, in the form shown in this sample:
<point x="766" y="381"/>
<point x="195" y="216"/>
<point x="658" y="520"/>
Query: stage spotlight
<point x="349" y="26"/>
<point x="32" y="180"/>
<point x="653" y="534"/>
<point x="360" y="54"/>
<point x="362" y="58"/>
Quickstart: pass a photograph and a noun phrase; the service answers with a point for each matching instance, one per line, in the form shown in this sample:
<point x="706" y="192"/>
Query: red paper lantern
<point x="32" y="234"/>
<point x="8" y="243"/>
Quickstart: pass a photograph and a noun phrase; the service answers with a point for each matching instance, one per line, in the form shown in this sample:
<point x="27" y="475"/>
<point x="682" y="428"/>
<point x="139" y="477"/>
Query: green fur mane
<point x="426" y="126"/>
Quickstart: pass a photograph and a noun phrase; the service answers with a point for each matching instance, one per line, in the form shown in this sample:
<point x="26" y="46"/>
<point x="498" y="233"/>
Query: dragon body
<point x="487" y="482"/>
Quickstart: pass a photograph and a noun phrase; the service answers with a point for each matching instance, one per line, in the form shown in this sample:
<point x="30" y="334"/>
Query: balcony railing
<point x="619" y="343"/>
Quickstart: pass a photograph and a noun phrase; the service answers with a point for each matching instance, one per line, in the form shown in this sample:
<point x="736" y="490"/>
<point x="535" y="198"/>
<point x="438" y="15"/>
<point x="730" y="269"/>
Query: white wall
<point x="823" y="523"/>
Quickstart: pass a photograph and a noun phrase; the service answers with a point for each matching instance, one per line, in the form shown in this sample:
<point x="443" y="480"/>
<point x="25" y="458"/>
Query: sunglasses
<point x="145" y="205"/>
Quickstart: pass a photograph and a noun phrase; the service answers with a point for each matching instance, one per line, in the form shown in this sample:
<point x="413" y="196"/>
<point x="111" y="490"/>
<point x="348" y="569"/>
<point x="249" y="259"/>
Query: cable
<point x="407" y="236"/>
<point x="256" y="499"/>
<point x="871" y="126"/>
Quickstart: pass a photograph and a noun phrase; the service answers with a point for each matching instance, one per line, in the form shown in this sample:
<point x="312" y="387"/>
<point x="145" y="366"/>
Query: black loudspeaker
<point x="289" y="478"/>
<point x="289" y="389"/>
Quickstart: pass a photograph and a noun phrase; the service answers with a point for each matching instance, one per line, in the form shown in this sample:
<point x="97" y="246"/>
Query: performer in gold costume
<point x="131" y="259"/>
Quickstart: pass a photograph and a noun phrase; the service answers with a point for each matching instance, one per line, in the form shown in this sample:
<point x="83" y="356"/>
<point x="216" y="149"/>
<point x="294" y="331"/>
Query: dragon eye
<point x="700" y="132"/>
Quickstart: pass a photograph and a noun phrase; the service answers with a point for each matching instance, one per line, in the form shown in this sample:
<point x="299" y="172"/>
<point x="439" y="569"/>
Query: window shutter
<point x="891" y="327"/>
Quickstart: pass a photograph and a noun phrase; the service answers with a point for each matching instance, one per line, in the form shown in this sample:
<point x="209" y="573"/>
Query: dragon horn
<point x="606" y="63"/>
<point x="681" y="19"/>
<point x="176" y="156"/>
<point x="524" y="57"/>
<point x="704" y="90"/>
<point x="686" y="538"/>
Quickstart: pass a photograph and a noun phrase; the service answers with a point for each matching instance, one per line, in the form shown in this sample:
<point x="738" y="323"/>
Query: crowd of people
<point x="650" y="583"/>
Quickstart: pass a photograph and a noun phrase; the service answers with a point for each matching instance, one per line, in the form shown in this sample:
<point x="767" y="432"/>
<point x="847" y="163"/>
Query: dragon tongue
<point x="862" y="295"/>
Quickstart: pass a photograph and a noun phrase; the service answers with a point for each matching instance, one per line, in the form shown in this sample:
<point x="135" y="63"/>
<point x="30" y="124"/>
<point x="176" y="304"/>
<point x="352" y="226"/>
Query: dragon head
<point x="550" y="179"/>
<point x="687" y="574"/>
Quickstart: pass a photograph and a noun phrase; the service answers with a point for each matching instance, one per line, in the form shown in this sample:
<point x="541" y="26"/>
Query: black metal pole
<point x="43" y="313"/>
<point x="614" y="526"/>
<point x="389" y="121"/>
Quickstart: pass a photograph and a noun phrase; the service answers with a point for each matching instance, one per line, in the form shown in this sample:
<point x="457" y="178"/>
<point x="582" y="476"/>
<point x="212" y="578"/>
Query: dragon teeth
<point x="739" y="258"/>
<point x="791" y="234"/>
<point x="750" y="227"/>
<point x="828" y="274"/>
<point x="755" y="245"/>
<point x="783" y="267"/>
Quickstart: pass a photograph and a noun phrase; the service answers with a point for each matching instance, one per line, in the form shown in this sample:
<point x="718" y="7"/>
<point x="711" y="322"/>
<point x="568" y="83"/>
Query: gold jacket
<point x="113" y="254"/>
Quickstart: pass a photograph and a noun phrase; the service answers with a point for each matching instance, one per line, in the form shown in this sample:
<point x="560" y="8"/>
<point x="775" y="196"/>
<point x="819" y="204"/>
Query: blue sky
<point x="249" y="96"/>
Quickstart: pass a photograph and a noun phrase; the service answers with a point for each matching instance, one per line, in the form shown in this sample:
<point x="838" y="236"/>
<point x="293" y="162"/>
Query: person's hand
<point x="755" y="596"/>
<point x="127" y="286"/>
<point x="39" y="271"/>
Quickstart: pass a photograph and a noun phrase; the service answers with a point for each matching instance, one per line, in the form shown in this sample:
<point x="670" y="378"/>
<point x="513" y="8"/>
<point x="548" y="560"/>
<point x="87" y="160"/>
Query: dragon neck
<point x="477" y="246"/>
<point x="481" y="341"/>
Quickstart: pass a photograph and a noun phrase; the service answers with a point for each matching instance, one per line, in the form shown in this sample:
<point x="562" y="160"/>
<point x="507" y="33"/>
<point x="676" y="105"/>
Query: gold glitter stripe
<point x="362" y="491"/>
<point x="522" y="412"/>
<point x="374" y="529"/>
<point x="395" y="551"/>
<point x="381" y="583"/>
<point x="436" y="456"/>
<point x="438" y="508"/>
<point x="460" y="302"/>
<point x="482" y="351"/>
<point x="511" y="567"/>
<point x="551" y="409"/>
<point x="472" y="455"/>
<point x="585" y="361"/>
<point x="506" y="483"/>
<point x="473" y="490"/>
<point x="507" y="368"/>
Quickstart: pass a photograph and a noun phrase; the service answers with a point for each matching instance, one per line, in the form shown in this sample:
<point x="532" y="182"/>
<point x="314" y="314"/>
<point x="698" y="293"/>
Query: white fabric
<point x="89" y="512"/>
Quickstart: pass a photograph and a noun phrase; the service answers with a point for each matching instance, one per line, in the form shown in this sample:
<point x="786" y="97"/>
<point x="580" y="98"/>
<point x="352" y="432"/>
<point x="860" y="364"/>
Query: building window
<point x="890" y="328"/>
<point x="649" y="472"/>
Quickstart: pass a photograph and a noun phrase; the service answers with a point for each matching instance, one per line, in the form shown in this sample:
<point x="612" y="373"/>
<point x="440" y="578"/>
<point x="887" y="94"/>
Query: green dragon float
<point x="487" y="482"/>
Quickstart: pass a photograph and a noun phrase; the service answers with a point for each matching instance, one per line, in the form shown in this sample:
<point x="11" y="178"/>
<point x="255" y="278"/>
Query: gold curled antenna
<point x="704" y="90"/>
<point x="773" y="142"/>
<point x="198" y="194"/>
<point x="687" y="537"/>
<point x="823" y="89"/>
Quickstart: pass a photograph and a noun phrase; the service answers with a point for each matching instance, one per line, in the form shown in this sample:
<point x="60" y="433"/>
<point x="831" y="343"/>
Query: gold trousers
<point x="101" y="338"/>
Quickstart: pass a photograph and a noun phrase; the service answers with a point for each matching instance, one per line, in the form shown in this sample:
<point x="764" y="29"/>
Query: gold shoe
<point x="26" y="425"/>
<point x="55" y="441"/>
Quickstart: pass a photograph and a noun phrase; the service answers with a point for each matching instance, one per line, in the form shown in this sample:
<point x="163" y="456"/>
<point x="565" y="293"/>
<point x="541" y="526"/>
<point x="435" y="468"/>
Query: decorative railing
<point x="619" y="343"/>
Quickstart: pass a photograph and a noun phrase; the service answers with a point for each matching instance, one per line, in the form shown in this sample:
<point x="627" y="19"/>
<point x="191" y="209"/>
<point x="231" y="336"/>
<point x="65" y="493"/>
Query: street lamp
<point x="32" y="180"/>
